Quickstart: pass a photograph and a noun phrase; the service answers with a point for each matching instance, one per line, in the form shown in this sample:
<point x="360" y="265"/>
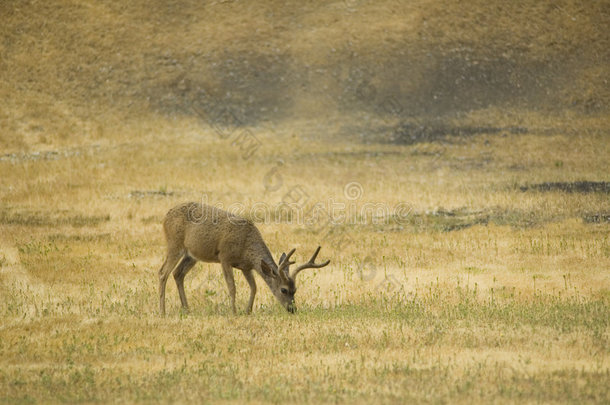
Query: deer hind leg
<point x="173" y="259"/>
<point x="184" y="266"/>
<point x="252" y="283"/>
<point x="227" y="270"/>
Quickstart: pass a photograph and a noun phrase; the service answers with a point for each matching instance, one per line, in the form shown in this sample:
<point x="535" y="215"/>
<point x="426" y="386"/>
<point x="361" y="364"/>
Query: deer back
<point x="211" y="234"/>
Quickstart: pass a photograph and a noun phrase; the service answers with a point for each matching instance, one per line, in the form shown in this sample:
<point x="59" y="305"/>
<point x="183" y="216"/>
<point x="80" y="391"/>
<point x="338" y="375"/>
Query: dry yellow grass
<point x="457" y="275"/>
<point x="483" y="292"/>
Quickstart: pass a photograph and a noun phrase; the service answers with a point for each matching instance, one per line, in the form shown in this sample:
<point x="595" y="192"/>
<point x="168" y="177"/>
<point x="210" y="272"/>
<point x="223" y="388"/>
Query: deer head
<point x="284" y="286"/>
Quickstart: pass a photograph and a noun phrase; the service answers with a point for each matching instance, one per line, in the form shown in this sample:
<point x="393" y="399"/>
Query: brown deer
<point x="199" y="232"/>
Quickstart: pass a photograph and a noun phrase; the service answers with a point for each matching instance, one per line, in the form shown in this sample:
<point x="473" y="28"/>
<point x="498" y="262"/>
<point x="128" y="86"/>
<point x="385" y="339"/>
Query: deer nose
<point x="291" y="308"/>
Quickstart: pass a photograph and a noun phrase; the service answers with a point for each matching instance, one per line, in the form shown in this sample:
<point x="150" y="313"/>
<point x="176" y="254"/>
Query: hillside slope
<point x="70" y="68"/>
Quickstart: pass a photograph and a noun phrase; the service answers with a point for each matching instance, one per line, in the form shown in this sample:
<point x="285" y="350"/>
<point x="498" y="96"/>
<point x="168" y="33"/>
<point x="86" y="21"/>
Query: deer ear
<point x="266" y="269"/>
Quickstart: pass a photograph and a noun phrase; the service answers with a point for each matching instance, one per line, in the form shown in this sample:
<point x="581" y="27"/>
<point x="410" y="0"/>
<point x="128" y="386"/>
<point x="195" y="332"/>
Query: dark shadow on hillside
<point x="258" y="87"/>
<point x="408" y="134"/>
<point x="251" y="86"/>
<point x="442" y="82"/>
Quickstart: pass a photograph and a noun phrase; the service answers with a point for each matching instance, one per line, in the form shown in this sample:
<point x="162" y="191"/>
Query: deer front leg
<point x="227" y="270"/>
<point x="250" y="279"/>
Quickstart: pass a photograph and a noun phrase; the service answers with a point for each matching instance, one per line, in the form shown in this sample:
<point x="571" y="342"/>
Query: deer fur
<point x="200" y="232"/>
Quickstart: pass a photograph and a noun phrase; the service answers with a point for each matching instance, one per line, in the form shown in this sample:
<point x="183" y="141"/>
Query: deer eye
<point x="284" y="291"/>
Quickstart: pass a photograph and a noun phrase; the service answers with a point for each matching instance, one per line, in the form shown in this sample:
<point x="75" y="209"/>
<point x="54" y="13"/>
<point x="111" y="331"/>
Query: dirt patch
<point x="52" y="219"/>
<point x="96" y="237"/>
<point x="49" y="154"/>
<point x="138" y="194"/>
<point x="570" y="187"/>
<point x="597" y="218"/>
<point x="442" y="220"/>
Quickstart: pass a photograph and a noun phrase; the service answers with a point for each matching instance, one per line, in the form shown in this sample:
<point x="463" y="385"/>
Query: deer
<point x="200" y="232"/>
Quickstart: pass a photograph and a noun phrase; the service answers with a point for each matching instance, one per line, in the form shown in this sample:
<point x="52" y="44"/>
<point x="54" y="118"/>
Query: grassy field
<point x="480" y="290"/>
<point x="459" y="155"/>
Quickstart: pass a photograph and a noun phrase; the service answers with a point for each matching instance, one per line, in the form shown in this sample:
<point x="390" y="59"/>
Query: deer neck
<point x="265" y="255"/>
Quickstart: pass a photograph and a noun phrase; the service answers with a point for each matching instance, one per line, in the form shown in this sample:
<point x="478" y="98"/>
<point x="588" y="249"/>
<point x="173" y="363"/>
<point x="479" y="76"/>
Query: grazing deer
<point x="199" y="232"/>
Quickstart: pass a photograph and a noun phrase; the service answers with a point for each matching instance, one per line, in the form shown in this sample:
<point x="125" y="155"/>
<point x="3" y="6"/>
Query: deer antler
<point x="282" y="268"/>
<point x="310" y="264"/>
